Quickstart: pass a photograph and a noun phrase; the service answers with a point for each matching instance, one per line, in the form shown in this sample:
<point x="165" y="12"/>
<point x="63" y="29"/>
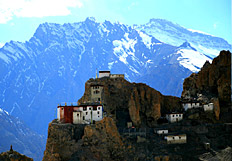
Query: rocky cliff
<point x="212" y="81"/>
<point x="62" y="141"/>
<point x="100" y="141"/>
<point x="134" y="102"/>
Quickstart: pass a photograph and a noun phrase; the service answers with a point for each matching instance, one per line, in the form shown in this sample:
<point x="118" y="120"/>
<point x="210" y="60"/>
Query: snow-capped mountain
<point x="176" y="35"/>
<point x="54" y="64"/>
<point x="14" y="132"/>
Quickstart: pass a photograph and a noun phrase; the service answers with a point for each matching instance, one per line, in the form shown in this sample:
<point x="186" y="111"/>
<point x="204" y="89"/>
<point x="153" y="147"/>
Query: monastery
<point x="86" y="113"/>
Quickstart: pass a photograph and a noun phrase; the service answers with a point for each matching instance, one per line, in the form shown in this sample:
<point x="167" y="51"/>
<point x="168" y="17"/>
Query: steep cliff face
<point x="62" y="141"/>
<point x="134" y="102"/>
<point x="212" y="81"/>
<point x="100" y="141"/>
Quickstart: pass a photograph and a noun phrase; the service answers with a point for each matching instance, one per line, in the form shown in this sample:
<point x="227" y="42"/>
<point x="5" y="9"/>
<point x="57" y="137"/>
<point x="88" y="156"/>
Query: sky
<point x="20" y="18"/>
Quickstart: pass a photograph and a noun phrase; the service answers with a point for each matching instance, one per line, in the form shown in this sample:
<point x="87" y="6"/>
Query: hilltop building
<point x="109" y="75"/>
<point x="80" y="114"/>
<point x="104" y="74"/>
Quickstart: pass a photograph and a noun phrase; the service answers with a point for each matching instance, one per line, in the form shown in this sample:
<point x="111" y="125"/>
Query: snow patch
<point x="4" y="58"/>
<point x="192" y="60"/>
<point x="201" y="32"/>
<point x="110" y="65"/>
<point x="124" y="47"/>
<point x="208" y="51"/>
<point x="146" y="39"/>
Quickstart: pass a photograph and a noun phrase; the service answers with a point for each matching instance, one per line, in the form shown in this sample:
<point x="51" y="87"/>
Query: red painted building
<point x="80" y="114"/>
<point x="65" y="114"/>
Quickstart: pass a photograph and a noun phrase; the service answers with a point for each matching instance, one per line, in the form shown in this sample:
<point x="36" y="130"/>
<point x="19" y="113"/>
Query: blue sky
<point x="20" y="18"/>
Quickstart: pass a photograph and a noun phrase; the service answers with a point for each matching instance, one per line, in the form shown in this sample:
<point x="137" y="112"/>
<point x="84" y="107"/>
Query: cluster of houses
<point x="86" y="113"/>
<point x="190" y="104"/>
<point x="175" y="138"/>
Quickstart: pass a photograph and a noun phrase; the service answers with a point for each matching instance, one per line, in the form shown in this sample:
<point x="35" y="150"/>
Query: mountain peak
<point x="90" y="19"/>
<point x="186" y="44"/>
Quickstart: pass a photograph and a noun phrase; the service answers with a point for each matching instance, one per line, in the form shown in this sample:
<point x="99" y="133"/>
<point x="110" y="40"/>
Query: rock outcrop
<point x="62" y="141"/>
<point x="100" y="141"/>
<point x="213" y="81"/>
<point x="137" y="102"/>
<point x="12" y="155"/>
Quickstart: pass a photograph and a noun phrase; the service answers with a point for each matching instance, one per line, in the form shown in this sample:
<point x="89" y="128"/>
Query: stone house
<point x="96" y="92"/>
<point x="176" y="139"/>
<point x="161" y="131"/>
<point x="174" y="117"/>
<point x="208" y="107"/>
<point x="190" y="104"/>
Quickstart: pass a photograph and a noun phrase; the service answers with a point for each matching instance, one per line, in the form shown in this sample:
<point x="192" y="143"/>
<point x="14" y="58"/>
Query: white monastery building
<point x="80" y="114"/>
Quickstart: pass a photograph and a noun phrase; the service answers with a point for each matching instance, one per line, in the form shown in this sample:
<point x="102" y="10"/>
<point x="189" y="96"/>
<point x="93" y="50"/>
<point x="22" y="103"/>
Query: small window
<point x="84" y="108"/>
<point x="179" y="115"/>
<point x="86" y="113"/>
<point x="173" y="115"/>
<point x="176" y="115"/>
<point x="99" y="108"/>
<point x="173" y="137"/>
<point x="179" y="137"/>
<point x="78" y="115"/>
<point x="89" y="108"/>
<point x="98" y="112"/>
<point x="99" y="99"/>
<point x="83" y="117"/>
